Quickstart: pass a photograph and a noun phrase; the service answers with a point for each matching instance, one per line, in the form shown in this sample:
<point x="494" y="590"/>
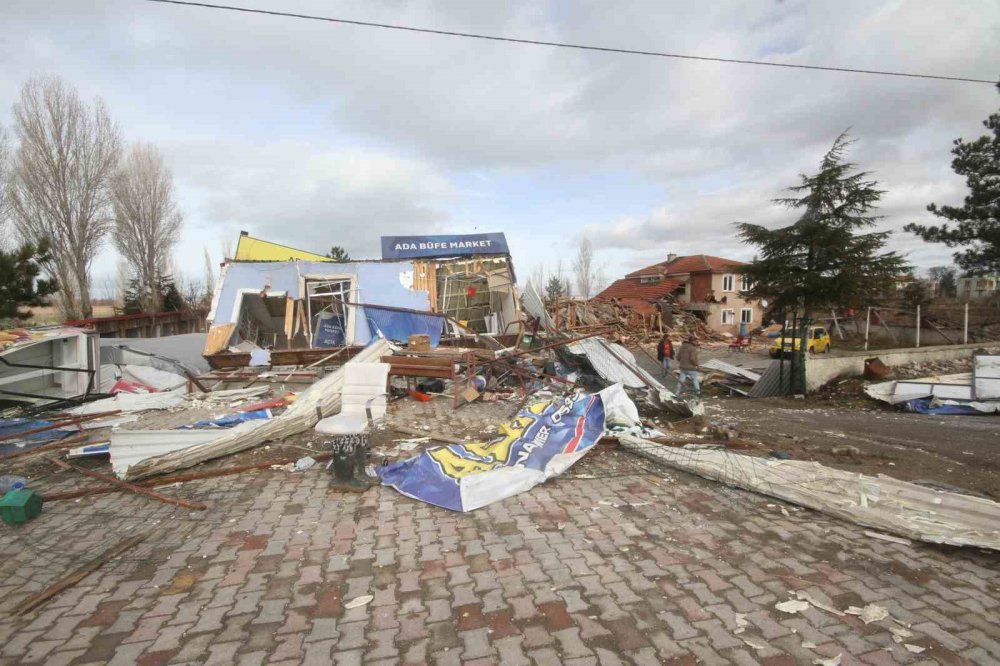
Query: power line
<point x="565" y="45"/>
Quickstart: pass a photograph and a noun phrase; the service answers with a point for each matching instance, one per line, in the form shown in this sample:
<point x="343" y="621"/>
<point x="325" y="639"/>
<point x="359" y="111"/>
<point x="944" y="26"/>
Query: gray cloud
<point x="230" y="97"/>
<point x="312" y="198"/>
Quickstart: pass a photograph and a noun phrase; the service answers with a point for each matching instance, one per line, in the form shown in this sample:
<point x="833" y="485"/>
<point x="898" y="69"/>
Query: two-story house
<point x="978" y="287"/>
<point x="709" y="286"/>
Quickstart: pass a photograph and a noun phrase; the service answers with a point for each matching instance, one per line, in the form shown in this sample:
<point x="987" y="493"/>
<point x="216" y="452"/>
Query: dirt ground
<point x="953" y="452"/>
<point x="50" y="314"/>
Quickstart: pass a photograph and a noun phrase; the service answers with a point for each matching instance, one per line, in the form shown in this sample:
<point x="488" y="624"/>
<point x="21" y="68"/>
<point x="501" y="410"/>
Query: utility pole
<point x="965" y="325"/>
<point x="868" y="323"/>
<point x="918" y="325"/>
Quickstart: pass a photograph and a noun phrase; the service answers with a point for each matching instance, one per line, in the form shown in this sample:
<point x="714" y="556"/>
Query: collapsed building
<point x="281" y="306"/>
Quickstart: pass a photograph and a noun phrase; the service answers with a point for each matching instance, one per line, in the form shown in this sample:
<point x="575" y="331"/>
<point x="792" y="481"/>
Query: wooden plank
<point x="416" y="361"/>
<point x="289" y="319"/>
<point x="218" y="339"/>
<point x="180" y="478"/>
<point x="437" y="436"/>
<point x="33" y="602"/>
<point x="139" y="490"/>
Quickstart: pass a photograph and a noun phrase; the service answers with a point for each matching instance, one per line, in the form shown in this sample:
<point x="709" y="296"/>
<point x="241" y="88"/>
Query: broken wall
<point x="381" y="283"/>
<point x="820" y="370"/>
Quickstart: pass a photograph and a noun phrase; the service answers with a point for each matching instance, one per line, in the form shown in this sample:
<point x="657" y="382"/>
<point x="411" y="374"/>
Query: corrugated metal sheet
<point x="534" y="306"/>
<point x="610" y="368"/>
<point x="986" y="376"/>
<point x="772" y="382"/>
<point x="730" y="369"/>
<point x="130" y="446"/>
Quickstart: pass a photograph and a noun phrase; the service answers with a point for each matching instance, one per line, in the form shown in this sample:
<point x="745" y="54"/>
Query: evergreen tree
<point x="829" y="257"/>
<point x="914" y="294"/>
<point x="338" y="254"/>
<point x="977" y="220"/>
<point x="19" y="283"/>
<point x="554" y="289"/>
<point x="136" y="297"/>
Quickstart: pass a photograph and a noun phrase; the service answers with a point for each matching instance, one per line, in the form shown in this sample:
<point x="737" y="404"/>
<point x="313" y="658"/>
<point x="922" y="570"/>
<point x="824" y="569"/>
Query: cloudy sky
<point x="314" y="134"/>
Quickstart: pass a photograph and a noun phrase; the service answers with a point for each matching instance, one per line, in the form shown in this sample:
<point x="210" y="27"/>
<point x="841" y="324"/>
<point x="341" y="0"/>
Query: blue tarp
<point x="542" y="441"/>
<point x="10" y="427"/>
<point x="229" y="420"/>
<point x="924" y="406"/>
<point x="399" y="326"/>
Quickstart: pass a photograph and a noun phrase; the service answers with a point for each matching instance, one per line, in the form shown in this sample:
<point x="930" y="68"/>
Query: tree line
<point x="68" y="184"/>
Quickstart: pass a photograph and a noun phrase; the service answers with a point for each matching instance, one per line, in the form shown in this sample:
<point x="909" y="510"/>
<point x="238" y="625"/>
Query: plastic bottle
<point x="8" y="483"/>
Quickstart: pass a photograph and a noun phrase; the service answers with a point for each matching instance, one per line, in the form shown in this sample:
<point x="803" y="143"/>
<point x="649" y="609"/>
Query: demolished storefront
<point x="49" y="364"/>
<point x="299" y="311"/>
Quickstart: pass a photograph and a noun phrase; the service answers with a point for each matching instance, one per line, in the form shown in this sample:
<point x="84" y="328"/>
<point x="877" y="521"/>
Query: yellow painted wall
<point x="255" y="249"/>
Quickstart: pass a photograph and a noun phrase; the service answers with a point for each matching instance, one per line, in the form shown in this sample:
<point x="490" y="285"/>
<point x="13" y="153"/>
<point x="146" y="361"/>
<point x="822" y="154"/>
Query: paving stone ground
<point x="635" y="566"/>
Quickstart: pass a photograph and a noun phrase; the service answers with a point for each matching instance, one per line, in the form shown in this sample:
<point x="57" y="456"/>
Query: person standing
<point x="687" y="358"/>
<point x="665" y="353"/>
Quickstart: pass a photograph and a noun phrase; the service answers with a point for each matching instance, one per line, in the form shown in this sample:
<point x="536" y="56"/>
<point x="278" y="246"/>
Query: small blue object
<point x="780" y="455"/>
<point x="9" y="482"/>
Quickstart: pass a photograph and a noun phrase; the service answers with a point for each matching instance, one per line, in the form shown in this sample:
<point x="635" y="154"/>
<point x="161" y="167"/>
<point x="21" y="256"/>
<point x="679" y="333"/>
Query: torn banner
<point x="541" y="442"/>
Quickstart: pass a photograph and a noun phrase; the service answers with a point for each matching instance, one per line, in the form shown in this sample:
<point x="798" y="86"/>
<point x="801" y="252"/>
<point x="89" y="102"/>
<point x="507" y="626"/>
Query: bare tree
<point x="584" y="270"/>
<point x="538" y="277"/>
<point x="209" y="277"/>
<point x="147" y="222"/>
<point x="60" y="185"/>
<point x="4" y="183"/>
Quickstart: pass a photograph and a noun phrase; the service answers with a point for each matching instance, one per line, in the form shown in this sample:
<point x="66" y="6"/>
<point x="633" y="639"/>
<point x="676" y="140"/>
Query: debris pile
<point x="959" y="393"/>
<point x="630" y="321"/>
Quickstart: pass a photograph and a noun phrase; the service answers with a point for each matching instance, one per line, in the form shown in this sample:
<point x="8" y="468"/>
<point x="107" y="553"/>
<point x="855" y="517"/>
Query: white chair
<point x="362" y="405"/>
<point x="362" y="400"/>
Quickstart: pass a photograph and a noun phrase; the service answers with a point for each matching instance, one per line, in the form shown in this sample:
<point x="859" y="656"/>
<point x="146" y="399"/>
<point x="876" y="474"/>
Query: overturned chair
<point x="362" y="405"/>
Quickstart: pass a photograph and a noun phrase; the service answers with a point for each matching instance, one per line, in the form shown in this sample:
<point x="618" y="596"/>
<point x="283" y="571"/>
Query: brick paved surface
<point x="627" y="568"/>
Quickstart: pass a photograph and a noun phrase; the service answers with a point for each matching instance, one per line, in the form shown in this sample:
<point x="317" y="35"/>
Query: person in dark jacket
<point x="665" y="352"/>
<point x="687" y="359"/>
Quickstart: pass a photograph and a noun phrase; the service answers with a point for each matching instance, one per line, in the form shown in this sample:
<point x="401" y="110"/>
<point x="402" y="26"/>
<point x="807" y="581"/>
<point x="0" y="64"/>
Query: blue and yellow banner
<point x="542" y="441"/>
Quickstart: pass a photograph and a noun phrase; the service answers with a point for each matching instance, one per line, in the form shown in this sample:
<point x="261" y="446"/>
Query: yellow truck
<point x="817" y="341"/>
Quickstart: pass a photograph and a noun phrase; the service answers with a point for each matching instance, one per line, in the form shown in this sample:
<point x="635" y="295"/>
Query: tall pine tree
<point x="977" y="220"/>
<point x="829" y="257"/>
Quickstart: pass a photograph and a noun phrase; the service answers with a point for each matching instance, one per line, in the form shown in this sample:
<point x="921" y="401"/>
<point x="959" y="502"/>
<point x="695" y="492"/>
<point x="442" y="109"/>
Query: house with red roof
<point x="708" y="286"/>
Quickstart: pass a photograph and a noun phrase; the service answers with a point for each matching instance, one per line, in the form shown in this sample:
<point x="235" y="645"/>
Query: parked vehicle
<point x="817" y="341"/>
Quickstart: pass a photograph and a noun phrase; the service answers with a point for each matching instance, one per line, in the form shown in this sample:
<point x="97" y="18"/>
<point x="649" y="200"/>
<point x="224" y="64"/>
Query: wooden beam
<point x="179" y="478"/>
<point x="139" y="490"/>
<point x="34" y="601"/>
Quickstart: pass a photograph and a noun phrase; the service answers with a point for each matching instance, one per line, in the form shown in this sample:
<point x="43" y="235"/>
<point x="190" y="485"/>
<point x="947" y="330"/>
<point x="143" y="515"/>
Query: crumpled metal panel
<point x="986" y="376"/>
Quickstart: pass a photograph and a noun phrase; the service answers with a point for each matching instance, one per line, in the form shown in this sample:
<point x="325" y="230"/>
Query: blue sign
<point x="415" y="247"/>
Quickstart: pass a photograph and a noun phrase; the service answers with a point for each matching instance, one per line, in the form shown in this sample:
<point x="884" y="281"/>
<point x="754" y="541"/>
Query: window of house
<point x="727" y="282"/>
<point x="728" y="317"/>
<point x="650" y="279"/>
<point x="744" y="282"/>
<point x="746" y="315"/>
